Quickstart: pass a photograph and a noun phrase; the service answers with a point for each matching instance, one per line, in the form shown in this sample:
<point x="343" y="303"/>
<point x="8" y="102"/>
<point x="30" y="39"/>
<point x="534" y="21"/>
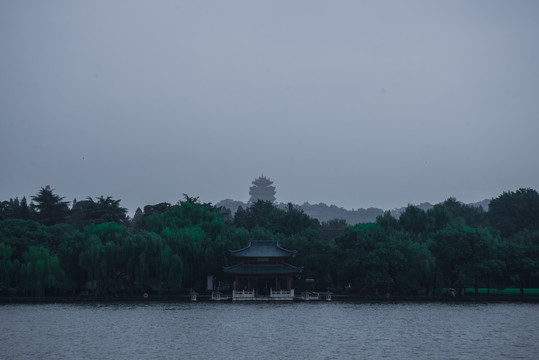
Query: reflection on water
<point x="269" y="331"/>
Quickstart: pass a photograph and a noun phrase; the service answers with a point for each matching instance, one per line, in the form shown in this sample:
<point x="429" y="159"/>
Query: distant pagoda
<point x="262" y="189"/>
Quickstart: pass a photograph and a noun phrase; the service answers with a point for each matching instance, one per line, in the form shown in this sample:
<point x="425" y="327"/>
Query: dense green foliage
<point x="91" y="247"/>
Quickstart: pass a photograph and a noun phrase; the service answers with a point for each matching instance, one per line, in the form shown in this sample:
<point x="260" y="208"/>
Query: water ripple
<point x="269" y="331"/>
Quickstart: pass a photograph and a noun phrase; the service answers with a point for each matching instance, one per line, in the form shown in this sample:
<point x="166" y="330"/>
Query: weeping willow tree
<point x="9" y="268"/>
<point x="41" y="272"/>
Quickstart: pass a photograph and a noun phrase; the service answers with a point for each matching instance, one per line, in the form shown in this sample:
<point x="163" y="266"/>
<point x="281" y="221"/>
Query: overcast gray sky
<point x="352" y="103"/>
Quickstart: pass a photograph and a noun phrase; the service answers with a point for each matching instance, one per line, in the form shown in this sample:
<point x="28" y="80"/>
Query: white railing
<point x="243" y="294"/>
<point x="275" y="295"/>
<point x="282" y="293"/>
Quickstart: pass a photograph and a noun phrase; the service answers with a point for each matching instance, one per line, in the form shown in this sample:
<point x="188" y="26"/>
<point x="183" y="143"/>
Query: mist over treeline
<point x="324" y="212"/>
<point x="51" y="247"/>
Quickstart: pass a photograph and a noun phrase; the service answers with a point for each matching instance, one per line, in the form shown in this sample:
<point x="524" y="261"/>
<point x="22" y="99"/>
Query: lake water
<point x="317" y="330"/>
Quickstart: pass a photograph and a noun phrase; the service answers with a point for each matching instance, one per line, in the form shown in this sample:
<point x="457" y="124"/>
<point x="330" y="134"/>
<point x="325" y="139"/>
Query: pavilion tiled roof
<point x="263" y="249"/>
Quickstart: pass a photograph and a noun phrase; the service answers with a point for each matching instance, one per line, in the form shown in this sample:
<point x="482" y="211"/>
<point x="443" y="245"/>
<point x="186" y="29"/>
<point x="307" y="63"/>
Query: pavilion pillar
<point x="277" y="284"/>
<point x="249" y="283"/>
<point x="288" y="285"/>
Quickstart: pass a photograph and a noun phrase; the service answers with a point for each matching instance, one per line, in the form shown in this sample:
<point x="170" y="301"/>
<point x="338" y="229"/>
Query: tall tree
<point x="383" y="261"/>
<point x="521" y="256"/>
<point x="413" y="219"/>
<point x="101" y="210"/>
<point x="51" y="209"/>
<point x="472" y="215"/>
<point x="107" y="210"/>
<point x="512" y="212"/>
<point x="15" y="209"/>
<point x="465" y="255"/>
<point x="387" y="221"/>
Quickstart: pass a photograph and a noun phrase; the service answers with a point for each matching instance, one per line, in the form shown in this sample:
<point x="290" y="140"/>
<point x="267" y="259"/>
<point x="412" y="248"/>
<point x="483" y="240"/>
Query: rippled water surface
<point x="269" y="331"/>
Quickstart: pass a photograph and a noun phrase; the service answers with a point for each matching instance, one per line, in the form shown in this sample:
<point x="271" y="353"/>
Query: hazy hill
<point x="324" y="212"/>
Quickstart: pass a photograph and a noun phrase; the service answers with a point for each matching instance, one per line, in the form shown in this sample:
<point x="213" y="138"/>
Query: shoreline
<point x="471" y="299"/>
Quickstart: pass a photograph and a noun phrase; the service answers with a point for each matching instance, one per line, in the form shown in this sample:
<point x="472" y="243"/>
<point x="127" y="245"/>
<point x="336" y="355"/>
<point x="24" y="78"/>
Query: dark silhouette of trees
<point x="47" y="249"/>
<point x="464" y="254"/>
<point x="50" y="207"/>
<point x="472" y="215"/>
<point x="512" y="212"/>
<point x="382" y="262"/>
<point x="387" y="221"/>
<point x="520" y="255"/>
<point x="103" y="210"/>
<point x="15" y="209"/>
<point x="263" y="214"/>
<point x="414" y="220"/>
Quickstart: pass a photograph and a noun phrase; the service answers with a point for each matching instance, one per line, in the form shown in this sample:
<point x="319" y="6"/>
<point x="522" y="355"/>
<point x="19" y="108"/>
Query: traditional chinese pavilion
<point x="263" y="273"/>
<point x="262" y="189"/>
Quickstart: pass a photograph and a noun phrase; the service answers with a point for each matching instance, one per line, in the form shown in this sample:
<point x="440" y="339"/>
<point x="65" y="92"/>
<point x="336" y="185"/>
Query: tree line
<point x="52" y="247"/>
